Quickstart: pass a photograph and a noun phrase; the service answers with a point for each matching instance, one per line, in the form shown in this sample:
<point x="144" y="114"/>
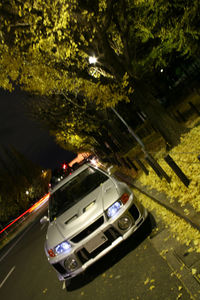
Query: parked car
<point x="90" y="212"/>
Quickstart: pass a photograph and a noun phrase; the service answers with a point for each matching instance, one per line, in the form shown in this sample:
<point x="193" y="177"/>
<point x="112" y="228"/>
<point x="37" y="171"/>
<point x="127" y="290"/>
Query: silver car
<point x="90" y="212"/>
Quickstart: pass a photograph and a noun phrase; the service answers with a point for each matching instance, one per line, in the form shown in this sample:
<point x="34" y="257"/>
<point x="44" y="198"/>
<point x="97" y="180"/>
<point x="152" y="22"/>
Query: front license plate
<point x="97" y="241"/>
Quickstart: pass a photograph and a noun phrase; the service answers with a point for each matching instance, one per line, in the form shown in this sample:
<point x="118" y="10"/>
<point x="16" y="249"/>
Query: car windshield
<point x="74" y="190"/>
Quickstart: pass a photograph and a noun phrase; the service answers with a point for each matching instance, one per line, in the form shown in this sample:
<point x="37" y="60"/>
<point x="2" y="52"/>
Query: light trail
<point x="39" y="203"/>
<point x="33" y="207"/>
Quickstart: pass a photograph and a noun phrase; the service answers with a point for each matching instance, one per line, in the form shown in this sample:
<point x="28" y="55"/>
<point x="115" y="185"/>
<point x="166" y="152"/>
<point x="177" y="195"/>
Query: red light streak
<point x="43" y="199"/>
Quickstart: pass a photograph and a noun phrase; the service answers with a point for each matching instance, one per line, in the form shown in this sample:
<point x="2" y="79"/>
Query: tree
<point x="77" y="126"/>
<point x="18" y="175"/>
<point x="45" y="46"/>
<point x="70" y="120"/>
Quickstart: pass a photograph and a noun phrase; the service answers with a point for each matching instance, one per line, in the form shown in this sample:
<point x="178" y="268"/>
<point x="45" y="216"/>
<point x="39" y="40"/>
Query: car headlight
<point x="62" y="247"/>
<point x="113" y="209"/>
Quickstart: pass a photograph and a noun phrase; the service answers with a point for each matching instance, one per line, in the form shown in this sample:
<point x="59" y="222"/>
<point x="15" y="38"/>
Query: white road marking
<point x="16" y="242"/>
<point x="9" y="273"/>
<point x="63" y="286"/>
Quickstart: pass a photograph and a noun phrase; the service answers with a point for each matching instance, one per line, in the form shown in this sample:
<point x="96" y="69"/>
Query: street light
<point x="157" y="168"/>
<point x="152" y="162"/>
<point x="92" y="59"/>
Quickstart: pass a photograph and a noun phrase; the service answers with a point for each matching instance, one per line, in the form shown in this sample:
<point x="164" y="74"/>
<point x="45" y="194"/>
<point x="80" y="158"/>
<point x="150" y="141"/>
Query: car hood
<point x="82" y="214"/>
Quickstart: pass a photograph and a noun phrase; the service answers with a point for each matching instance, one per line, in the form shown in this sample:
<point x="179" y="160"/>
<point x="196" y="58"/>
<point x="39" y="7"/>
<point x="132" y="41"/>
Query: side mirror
<point x="109" y="170"/>
<point x="44" y="220"/>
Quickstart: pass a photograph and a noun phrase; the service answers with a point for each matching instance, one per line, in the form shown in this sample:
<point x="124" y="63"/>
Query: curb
<point x="194" y="223"/>
<point x="175" y="255"/>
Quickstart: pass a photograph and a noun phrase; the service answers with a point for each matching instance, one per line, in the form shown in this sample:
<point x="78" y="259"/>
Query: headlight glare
<point x="113" y="209"/>
<point x="62" y="247"/>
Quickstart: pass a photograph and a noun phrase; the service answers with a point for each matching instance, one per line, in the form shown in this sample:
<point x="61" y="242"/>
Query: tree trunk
<point x="168" y="127"/>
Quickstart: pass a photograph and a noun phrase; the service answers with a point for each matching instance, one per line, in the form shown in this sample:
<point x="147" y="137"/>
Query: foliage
<point x="18" y="175"/>
<point x="45" y="47"/>
<point x="180" y="229"/>
<point x="72" y="122"/>
<point x="186" y="157"/>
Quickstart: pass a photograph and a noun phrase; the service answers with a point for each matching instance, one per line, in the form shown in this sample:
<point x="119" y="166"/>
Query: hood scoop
<point x="71" y="219"/>
<point x="90" y="205"/>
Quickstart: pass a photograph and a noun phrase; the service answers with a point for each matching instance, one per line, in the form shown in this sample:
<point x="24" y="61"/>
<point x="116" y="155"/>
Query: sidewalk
<point x="184" y="264"/>
<point x="193" y="217"/>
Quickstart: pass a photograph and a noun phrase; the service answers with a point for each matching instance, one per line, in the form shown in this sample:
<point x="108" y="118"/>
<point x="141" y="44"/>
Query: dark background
<point x="28" y="136"/>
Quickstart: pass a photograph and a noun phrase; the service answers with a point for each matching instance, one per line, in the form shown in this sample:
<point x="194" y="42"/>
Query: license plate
<point x="94" y="243"/>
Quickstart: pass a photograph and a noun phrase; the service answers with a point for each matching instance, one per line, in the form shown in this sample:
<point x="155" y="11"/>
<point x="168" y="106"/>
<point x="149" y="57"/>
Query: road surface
<point x="132" y="271"/>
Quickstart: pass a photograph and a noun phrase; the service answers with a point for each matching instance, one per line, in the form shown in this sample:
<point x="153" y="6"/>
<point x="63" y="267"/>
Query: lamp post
<point x="93" y="60"/>
<point x="136" y="137"/>
<point x="149" y="158"/>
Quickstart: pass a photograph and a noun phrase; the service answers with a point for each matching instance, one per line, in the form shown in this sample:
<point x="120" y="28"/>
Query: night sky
<point x="26" y="135"/>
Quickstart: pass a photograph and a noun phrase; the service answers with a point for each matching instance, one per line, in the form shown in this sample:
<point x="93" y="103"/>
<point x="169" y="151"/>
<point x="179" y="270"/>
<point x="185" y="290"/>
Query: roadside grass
<point x="185" y="155"/>
<point x="179" y="228"/>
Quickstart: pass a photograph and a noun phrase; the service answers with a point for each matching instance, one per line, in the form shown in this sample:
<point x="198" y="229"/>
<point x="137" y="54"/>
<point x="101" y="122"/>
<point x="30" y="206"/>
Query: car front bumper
<point x="100" y="242"/>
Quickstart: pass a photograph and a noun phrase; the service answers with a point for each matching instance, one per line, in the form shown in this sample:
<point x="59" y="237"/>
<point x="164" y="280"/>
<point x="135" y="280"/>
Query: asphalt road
<point x="134" y="270"/>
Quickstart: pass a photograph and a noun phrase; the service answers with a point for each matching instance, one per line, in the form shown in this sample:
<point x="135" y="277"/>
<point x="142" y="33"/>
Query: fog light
<point x="125" y="223"/>
<point x="71" y="264"/>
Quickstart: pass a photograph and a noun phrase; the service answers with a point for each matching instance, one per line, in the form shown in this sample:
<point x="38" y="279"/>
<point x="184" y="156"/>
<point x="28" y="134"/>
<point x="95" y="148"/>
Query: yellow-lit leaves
<point x="102" y="5"/>
<point x="125" y="81"/>
<point x="194" y="271"/>
<point x="150" y="284"/>
<point x="180" y="229"/>
<point x="185" y="155"/>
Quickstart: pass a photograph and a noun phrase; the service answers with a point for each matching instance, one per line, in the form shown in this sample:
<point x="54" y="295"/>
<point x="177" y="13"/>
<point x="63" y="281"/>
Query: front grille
<point x="111" y="234"/>
<point x="59" y="268"/>
<point x="87" y="231"/>
<point x="134" y="212"/>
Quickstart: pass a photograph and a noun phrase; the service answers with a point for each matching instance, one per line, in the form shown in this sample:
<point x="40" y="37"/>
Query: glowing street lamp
<point x="92" y="59"/>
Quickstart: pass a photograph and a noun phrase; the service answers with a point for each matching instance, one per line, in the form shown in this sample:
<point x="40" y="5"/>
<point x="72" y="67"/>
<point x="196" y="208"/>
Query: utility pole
<point x="136" y="137"/>
<point x="149" y="158"/>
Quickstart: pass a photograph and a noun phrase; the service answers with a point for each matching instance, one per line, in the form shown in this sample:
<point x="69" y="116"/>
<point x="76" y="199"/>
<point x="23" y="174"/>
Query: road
<point x="134" y="270"/>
